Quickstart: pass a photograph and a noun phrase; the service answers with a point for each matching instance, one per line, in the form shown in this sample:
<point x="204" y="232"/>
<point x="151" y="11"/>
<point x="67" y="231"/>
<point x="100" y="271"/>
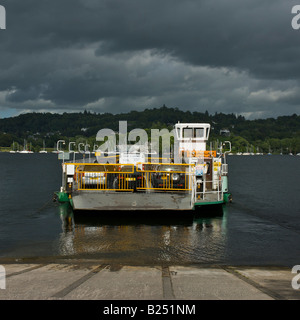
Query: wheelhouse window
<point x="198" y="133"/>
<point x="187" y="133"/>
<point x="193" y="132"/>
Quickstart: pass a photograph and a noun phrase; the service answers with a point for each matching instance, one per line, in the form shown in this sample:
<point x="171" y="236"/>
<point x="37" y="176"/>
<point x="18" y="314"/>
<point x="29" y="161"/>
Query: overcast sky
<point x="230" y="56"/>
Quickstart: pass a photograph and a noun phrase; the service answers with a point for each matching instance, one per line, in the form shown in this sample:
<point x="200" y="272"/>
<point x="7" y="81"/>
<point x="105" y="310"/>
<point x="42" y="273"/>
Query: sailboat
<point x="25" y="148"/>
<point x="247" y="153"/>
<point x="270" y="151"/>
<point x="13" y="150"/>
<point x="43" y="151"/>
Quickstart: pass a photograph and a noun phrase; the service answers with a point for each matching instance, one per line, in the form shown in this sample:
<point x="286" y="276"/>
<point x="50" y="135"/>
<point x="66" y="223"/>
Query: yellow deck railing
<point x="113" y="177"/>
<point x="165" y="177"/>
<point x="127" y="177"/>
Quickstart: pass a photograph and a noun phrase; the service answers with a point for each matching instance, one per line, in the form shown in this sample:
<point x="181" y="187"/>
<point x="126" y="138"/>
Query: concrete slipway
<point x="91" y="280"/>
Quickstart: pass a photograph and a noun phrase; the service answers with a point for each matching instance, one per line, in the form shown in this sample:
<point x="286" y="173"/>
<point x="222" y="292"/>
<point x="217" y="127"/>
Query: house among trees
<point x="225" y="132"/>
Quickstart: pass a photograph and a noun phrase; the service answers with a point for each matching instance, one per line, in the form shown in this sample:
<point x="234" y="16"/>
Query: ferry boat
<point x="187" y="179"/>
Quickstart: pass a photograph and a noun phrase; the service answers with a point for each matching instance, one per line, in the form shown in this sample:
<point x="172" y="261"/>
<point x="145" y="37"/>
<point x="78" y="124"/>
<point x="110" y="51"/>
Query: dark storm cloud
<point x="229" y="56"/>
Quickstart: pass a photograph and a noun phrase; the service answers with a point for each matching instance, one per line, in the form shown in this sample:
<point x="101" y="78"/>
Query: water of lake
<point x="260" y="227"/>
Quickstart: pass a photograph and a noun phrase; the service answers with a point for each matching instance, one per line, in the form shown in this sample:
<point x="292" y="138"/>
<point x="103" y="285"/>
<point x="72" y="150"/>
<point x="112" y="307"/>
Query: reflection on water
<point x="68" y="228"/>
<point x="67" y="216"/>
<point x="143" y="237"/>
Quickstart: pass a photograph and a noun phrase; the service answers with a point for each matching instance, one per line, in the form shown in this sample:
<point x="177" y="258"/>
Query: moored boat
<point x="44" y="149"/>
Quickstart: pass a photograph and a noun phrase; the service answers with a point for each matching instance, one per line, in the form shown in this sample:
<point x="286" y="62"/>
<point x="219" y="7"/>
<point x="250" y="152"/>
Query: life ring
<point x="194" y="153"/>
